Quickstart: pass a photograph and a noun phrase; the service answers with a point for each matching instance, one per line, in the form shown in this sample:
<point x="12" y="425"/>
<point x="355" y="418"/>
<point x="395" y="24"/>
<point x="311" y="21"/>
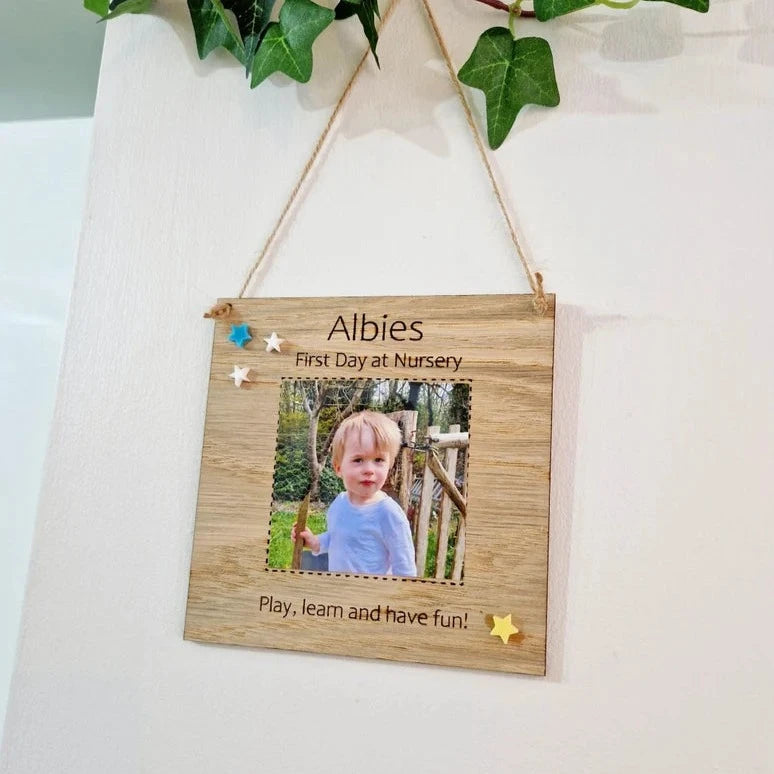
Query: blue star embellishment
<point x="240" y="335"/>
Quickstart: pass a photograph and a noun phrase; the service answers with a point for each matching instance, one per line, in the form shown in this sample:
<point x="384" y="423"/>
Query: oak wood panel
<point x="506" y="353"/>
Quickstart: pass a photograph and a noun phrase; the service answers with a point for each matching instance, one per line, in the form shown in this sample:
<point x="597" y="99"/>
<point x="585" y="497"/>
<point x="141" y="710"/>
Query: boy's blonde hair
<point x="387" y="434"/>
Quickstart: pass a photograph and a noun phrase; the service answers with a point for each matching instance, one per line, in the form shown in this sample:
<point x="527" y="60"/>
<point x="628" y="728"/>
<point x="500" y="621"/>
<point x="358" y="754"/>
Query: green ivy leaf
<point x="252" y="17"/>
<point x="511" y="73"/>
<point x="702" y="6"/>
<point x="367" y="11"/>
<point x="287" y="45"/>
<point x="213" y="28"/>
<point x="550" y="9"/>
<point x="100" y="7"/>
<point x="107" y="9"/>
<point x="120" y="7"/>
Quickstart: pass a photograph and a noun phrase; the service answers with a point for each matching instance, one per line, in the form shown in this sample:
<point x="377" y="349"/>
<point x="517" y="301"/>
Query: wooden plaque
<point x="486" y="503"/>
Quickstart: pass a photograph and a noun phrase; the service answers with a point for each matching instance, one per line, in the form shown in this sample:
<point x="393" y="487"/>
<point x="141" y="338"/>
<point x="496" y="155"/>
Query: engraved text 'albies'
<point x="364" y="329"/>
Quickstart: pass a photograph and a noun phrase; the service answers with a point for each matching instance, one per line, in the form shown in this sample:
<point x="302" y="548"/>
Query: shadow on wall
<point x="654" y="33"/>
<point x="573" y="329"/>
<point x="758" y="45"/>
<point x="572" y="325"/>
<point x="404" y="95"/>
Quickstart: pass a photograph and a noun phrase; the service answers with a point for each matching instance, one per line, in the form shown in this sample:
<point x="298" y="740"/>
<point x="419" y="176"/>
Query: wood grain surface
<point x="506" y="353"/>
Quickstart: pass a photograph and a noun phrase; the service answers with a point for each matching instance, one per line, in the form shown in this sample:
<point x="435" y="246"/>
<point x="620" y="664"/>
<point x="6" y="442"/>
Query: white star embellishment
<point x="273" y="342"/>
<point x="239" y="375"/>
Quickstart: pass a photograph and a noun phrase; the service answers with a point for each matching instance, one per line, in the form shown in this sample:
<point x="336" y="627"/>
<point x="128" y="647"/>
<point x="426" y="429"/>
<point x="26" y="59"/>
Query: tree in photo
<point x="343" y="398"/>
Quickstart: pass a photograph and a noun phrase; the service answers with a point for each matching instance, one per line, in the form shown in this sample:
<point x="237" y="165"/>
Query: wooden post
<point x="409" y="426"/>
<point x="446" y="482"/>
<point x="444" y="513"/>
<point x="459" y="547"/>
<point x="459" y="552"/>
<point x="448" y="440"/>
<point x="425" y="510"/>
<point x="403" y="477"/>
<point x="303" y="512"/>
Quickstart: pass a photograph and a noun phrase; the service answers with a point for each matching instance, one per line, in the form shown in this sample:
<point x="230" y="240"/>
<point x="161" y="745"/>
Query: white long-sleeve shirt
<point x="373" y="539"/>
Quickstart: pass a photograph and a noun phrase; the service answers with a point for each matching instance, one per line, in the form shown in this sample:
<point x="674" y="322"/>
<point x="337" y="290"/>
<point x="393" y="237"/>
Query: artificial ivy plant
<point x="512" y="71"/>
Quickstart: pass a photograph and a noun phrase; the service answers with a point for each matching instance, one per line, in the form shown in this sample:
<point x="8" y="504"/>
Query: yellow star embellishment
<point x="503" y="628"/>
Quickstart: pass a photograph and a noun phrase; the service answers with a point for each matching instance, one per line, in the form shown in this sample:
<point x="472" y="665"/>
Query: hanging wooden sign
<point x="375" y="480"/>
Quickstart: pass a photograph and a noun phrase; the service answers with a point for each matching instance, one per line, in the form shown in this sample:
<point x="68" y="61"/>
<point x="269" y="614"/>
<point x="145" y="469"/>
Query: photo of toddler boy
<point x="367" y="531"/>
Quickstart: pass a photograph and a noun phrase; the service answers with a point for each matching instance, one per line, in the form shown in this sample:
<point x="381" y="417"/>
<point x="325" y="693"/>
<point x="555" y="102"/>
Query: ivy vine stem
<point x="621" y="6"/>
<point x="501" y="6"/>
<point x="514" y="11"/>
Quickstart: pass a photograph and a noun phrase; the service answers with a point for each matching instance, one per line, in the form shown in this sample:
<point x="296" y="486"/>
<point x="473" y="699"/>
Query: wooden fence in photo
<point x="439" y="491"/>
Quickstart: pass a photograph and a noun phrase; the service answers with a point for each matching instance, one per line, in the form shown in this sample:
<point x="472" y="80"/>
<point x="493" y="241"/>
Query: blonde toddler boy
<point x="368" y="532"/>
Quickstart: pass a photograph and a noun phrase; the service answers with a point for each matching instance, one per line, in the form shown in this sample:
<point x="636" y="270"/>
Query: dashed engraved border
<point x="357" y="576"/>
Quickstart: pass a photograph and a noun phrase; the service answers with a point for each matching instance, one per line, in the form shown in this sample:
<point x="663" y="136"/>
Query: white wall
<point x="43" y="167"/>
<point x="645" y="200"/>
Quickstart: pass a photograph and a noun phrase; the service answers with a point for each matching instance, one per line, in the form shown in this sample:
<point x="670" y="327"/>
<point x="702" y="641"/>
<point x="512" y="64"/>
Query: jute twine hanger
<point x="539" y="302"/>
